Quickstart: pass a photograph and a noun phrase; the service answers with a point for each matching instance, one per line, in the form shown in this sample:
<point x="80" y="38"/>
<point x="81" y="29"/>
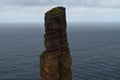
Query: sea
<point x="94" y="48"/>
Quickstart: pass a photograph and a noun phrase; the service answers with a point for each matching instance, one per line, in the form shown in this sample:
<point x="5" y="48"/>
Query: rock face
<point x="55" y="61"/>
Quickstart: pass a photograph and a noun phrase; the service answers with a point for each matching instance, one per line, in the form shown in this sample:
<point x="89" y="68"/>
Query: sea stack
<point x="55" y="61"/>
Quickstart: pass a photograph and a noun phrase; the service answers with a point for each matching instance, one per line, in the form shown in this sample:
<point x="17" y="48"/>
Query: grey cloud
<point x="82" y="2"/>
<point x="95" y="3"/>
<point x="29" y="2"/>
<point x="69" y="3"/>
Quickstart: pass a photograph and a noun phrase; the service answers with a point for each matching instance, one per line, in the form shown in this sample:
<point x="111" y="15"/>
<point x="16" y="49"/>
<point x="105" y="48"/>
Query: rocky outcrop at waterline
<point x="55" y="61"/>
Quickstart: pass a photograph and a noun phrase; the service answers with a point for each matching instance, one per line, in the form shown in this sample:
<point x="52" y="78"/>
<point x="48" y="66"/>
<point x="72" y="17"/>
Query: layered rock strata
<point x="55" y="61"/>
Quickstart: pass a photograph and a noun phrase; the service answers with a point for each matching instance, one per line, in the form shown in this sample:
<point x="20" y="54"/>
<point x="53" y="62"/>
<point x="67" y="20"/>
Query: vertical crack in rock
<point x="55" y="61"/>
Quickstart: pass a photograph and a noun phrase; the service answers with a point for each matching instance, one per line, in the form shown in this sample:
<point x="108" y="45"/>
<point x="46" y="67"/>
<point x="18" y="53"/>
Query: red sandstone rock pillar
<point x="55" y="61"/>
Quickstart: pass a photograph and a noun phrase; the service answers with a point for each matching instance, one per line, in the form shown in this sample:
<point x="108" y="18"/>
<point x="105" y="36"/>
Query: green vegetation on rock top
<point x="55" y="10"/>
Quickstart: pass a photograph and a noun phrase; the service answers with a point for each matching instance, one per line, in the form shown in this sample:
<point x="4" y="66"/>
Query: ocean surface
<point x="95" y="51"/>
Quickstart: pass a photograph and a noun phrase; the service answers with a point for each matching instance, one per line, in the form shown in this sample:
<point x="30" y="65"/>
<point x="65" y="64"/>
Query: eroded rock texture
<point x="55" y="61"/>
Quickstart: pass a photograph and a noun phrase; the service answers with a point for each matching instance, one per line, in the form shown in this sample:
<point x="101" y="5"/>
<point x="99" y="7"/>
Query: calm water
<point x="95" y="51"/>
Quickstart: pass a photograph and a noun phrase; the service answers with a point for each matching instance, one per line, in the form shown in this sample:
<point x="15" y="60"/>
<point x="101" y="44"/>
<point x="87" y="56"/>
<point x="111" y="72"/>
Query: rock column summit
<point x="55" y="61"/>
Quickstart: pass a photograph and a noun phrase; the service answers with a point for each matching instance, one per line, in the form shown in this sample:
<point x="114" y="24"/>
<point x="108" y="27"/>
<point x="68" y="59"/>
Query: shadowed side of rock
<point x="55" y="61"/>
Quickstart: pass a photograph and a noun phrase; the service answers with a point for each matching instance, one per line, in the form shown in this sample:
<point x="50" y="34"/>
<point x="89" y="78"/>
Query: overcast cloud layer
<point x="75" y="8"/>
<point x="85" y="3"/>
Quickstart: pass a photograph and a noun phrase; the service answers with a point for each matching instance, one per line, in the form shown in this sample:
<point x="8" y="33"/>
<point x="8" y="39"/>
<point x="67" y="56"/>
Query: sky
<point x="13" y="11"/>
